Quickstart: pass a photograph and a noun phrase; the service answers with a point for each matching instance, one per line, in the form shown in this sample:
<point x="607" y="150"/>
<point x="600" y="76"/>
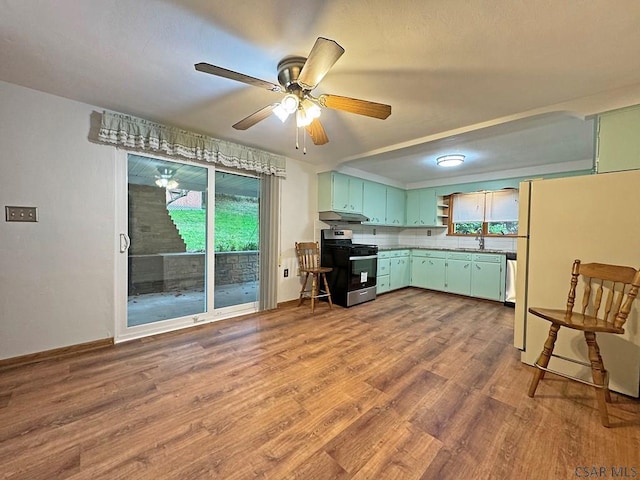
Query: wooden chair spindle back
<point x="308" y="254"/>
<point x="617" y="285"/>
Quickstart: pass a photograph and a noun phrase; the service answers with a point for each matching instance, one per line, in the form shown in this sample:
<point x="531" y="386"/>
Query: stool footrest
<point x="571" y="377"/>
<point x="308" y="295"/>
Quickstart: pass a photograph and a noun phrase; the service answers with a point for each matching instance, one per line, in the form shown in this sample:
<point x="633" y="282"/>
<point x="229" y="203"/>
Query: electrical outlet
<point x="286" y="272"/>
<point x="21" y="214"/>
<point x="374" y="231"/>
<point x="428" y="233"/>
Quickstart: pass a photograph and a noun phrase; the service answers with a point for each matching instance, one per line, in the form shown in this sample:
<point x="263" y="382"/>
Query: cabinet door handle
<point x="478" y="267"/>
<point x="466" y="266"/>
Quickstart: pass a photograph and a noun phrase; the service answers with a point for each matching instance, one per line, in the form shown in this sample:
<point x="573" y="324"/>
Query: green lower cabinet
<point x="400" y="269"/>
<point x="428" y="269"/>
<point x="436" y="274"/>
<point x="458" y="274"/>
<point x="382" y="284"/>
<point x="480" y="275"/>
<point x="400" y="273"/>
<point x="419" y="272"/>
<point x="382" y="279"/>
<point x="488" y="276"/>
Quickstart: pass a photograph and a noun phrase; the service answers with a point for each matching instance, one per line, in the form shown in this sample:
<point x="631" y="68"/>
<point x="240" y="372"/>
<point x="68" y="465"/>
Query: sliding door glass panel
<point x="236" y="236"/>
<point x="167" y="205"/>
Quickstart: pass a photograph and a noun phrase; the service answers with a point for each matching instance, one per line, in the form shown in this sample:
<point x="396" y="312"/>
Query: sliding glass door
<point x="237" y="237"/>
<point x="167" y="228"/>
<point x="189" y="245"/>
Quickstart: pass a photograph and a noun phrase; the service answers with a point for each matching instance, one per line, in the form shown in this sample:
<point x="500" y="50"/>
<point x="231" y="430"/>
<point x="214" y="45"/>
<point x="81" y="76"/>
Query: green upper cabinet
<point x="356" y="186"/>
<point x="619" y="140"/>
<point x="395" y="207"/>
<point x="338" y="192"/>
<point x="421" y="208"/>
<point x="374" y="205"/>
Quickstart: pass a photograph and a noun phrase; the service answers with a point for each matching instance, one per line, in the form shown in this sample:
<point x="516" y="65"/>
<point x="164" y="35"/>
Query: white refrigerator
<point x="594" y="218"/>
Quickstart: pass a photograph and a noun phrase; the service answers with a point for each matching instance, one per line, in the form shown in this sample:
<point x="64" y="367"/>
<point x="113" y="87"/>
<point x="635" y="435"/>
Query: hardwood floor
<point x="415" y="385"/>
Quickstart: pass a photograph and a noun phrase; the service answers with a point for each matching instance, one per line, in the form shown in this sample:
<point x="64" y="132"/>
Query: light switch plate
<point x="21" y="214"/>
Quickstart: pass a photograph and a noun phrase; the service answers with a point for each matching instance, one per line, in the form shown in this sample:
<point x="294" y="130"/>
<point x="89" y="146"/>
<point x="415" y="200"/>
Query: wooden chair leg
<point x="326" y="287"/>
<point x="314" y="291"/>
<point x="543" y="359"/>
<point x="304" y="286"/>
<point x="599" y="375"/>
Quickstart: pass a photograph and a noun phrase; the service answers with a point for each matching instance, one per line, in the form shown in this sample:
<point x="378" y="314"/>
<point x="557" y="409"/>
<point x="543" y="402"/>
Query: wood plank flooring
<point x="415" y="385"/>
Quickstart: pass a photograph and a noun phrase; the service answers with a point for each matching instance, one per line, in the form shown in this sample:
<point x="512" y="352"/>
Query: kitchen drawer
<point x="459" y="256"/>
<point x="382" y="284"/>
<point x="429" y="253"/>
<point x="384" y="265"/>
<point x="488" y="257"/>
<point x="399" y="253"/>
<point x="383" y="255"/>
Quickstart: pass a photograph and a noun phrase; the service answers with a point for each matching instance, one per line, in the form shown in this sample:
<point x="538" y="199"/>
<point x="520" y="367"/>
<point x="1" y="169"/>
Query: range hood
<point x="342" y="217"/>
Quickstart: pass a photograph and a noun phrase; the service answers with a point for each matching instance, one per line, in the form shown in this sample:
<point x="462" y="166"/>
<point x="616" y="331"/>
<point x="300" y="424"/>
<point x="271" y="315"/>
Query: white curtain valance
<point x="139" y="134"/>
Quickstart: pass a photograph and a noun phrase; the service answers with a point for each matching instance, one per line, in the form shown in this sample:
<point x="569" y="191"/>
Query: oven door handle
<point x="363" y="257"/>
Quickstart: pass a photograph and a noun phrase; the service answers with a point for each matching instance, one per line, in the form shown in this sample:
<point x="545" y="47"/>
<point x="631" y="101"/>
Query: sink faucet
<point x="480" y="238"/>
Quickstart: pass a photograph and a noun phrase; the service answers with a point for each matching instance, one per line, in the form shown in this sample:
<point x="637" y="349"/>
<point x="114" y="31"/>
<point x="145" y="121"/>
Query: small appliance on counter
<point x="353" y="278"/>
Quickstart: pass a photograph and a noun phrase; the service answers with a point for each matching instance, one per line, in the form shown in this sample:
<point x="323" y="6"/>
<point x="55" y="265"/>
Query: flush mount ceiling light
<point x="450" y="160"/>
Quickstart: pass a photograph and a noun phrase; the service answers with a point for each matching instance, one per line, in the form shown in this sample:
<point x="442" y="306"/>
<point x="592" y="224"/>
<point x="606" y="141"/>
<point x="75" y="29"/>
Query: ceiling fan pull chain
<point x="304" y="143"/>
<point x="297" y="144"/>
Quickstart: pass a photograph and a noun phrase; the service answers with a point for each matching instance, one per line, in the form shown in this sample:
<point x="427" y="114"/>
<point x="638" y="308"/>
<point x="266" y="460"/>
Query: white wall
<point x="57" y="275"/>
<point x="299" y="212"/>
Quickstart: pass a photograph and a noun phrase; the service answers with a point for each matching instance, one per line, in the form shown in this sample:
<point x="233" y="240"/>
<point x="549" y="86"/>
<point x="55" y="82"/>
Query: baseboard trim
<point x="288" y="303"/>
<point x="55" y="353"/>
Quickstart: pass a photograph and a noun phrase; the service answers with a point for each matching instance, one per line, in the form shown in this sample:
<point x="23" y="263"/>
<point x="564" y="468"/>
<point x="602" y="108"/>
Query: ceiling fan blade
<point x="323" y="55"/>
<point x="240" y="77"/>
<point x="353" y="105"/>
<point x="317" y="133"/>
<point x="254" y="118"/>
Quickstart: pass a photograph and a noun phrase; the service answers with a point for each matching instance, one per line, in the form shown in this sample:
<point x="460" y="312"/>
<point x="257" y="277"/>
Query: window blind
<point x="502" y="206"/>
<point x="498" y="206"/>
<point x="468" y="207"/>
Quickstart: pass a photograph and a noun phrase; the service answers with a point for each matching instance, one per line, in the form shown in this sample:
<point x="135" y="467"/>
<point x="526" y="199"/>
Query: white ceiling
<point x="446" y="68"/>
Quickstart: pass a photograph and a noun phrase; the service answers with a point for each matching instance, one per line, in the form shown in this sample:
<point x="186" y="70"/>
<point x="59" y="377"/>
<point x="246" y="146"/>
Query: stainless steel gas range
<point x="353" y="278"/>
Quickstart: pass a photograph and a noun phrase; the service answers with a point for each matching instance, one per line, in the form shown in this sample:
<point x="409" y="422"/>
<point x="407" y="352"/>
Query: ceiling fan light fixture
<point x="166" y="183"/>
<point x="302" y="118"/>
<point x="290" y="103"/>
<point x="450" y="160"/>
<point x="164" y="180"/>
<point x="311" y="108"/>
<point x="280" y="112"/>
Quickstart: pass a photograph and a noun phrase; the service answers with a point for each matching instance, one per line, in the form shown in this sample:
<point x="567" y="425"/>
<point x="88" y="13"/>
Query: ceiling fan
<point x="297" y="77"/>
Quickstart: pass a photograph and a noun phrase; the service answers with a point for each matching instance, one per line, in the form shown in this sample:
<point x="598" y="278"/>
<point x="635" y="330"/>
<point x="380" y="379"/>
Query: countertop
<point x="387" y="248"/>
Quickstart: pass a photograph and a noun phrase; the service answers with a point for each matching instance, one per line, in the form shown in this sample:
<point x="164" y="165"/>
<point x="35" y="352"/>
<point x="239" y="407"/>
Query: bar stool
<point x="608" y="292"/>
<point x="308" y="254"/>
